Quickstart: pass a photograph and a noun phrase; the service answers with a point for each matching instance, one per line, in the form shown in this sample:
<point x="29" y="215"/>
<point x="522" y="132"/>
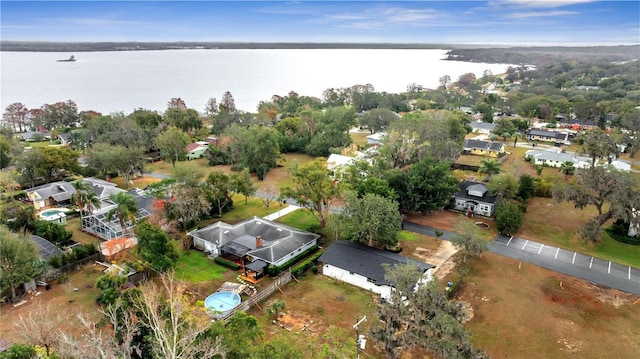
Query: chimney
<point x="258" y="241"/>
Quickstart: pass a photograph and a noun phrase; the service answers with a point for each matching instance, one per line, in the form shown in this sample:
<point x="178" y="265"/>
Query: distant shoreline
<point x="479" y="53"/>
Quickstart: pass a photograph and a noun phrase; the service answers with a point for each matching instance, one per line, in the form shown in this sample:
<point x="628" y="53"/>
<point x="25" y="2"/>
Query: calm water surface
<point x="125" y="80"/>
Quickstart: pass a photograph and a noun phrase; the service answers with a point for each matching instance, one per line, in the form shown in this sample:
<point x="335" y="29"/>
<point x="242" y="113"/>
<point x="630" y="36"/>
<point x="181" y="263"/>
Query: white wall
<point x="355" y="279"/>
<point x="297" y="252"/>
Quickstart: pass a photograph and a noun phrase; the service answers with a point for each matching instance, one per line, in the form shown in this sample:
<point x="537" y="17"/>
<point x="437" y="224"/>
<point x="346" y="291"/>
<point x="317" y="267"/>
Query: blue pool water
<point x="222" y="302"/>
<point x="52" y="212"/>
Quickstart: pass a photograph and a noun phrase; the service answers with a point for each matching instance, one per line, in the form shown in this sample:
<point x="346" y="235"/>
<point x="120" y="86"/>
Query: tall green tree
<point x="489" y="166"/>
<point x="509" y="217"/>
<point x="421" y="316"/>
<point x="243" y="184"/>
<point x="58" y="161"/>
<point x="218" y="189"/>
<point x="173" y="144"/>
<point x="526" y="188"/>
<point x="503" y="185"/>
<point x="155" y="247"/>
<point x="124" y="161"/>
<point x="613" y="193"/>
<point x="468" y="239"/>
<point x="85" y="198"/>
<point x="426" y="186"/>
<point x="598" y="144"/>
<point x="312" y="188"/>
<point x="377" y="119"/>
<point x="567" y="169"/>
<point x="371" y="219"/>
<point x="125" y="209"/>
<point x="19" y="262"/>
<point x="260" y="150"/>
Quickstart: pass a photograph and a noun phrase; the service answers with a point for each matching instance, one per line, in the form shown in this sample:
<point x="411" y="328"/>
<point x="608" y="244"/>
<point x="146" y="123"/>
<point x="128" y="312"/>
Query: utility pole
<point x="360" y="340"/>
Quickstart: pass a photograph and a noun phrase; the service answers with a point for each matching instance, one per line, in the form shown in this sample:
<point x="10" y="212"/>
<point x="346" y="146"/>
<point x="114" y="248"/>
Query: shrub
<point x="226" y="263"/>
<point x="306" y="264"/>
<point x="292" y="261"/>
<point x="55" y="261"/>
<point x="451" y="291"/>
<point x="62" y="279"/>
<point x="619" y="230"/>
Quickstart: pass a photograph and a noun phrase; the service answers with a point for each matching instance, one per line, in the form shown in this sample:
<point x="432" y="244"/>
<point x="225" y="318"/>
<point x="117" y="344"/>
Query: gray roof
<point x="484" y="145"/>
<point x="543" y="133"/>
<point x="278" y="240"/>
<point x="46" y="248"/>
<point x="551" y="155"/>
<point x="475" y="125"/>
<point x="102" y="188"/>
<point x="364" y="260"/>
<point x="60" y="191"/>
<point x="468" y="186"/>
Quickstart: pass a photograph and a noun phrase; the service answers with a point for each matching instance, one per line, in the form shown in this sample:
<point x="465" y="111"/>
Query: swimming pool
<point x="53" y="213"/>
<point x="221" y="303"/>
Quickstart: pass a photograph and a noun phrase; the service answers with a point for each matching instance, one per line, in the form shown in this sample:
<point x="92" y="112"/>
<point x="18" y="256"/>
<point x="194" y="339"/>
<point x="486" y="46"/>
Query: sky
<point x="513" y="22"/>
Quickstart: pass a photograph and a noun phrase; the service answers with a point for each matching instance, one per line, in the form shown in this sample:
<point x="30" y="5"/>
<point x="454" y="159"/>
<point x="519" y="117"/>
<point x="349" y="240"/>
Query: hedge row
<point x="77" y="253"/>
<point x="306" y="264"/>
<point x="275" y="270"/>
<point x="226" y="263"/>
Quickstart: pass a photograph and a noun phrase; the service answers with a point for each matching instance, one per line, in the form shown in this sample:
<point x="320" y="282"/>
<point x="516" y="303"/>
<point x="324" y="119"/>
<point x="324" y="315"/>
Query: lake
<point x="125" y="80"/>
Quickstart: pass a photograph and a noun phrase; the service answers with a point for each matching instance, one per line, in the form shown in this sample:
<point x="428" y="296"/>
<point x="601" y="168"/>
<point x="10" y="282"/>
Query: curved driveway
<point x="606" y="273"/>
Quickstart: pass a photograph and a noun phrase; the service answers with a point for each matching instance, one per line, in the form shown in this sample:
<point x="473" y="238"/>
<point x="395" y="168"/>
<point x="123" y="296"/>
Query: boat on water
<point x="70" y="59"/>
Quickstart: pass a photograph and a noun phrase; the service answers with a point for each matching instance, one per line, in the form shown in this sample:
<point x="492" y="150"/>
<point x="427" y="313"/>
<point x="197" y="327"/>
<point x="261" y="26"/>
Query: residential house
<point x="33" y="136"/>
<point x="336" y="164"/>
<point x="553" y="158"/>
<point x="577" y="124"/>
<point x="475" y="198"/>
<point x="51" y="194"/>
<point x="255" y="243"/>
<point x="482" y="127"/>
<point x="197" y="149"/>
<point x="533" y="134"/>
<point x="484" y="148"/>
<point x="375" y="139"/>
<point x="99" y="224"/>
<point x="364" y="266"/>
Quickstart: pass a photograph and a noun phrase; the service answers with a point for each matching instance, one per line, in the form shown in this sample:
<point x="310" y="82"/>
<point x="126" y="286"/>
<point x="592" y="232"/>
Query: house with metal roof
<point x="375" y="139"/>
<point x="51" y="194"/>
<point x="475" y="198"/>
<point x="482" y="127"/>
<point x="553" y="158"/>
<point x="484" y="148"/>
<point x="364" y="266"/>
<point x="256" y="242"/>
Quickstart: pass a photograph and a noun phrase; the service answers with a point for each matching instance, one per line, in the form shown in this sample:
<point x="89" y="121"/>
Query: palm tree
<point x="80" y="196"/>
<point x="126" y="208"/>
<point x="567" y="169"/>
<point x="515" y="138"/>
<point x="489" y="166"/>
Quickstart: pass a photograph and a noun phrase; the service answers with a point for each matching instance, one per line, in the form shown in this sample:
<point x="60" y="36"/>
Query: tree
<point x="275" y="308"/>
<point x="371" y="219"/>
<point x="421" y="315"/>
<point x="189" y="203"/>
<point x="8" y="183"/>
<point x="16" y="116"/>
<point x="211" y="108"/>
<point x="377" y="119"/>
<point x="19" y="351"/>
<point x="614" y="194"/>
<point x="173" y="144"/>
<point x="508" y="217"/>
<point x="259" y="150"/>
<point x="243" y="184"/>
<point x="188" y="120"/>
<point x="59" y="114"/>
<point x="567" y="169"/>
<point x="84" y="197"/>
<point x="527" y="188"/>
<point x="268" y="195"/>
<point x="36" y="330"/>
<point x="155" y="247"/>
<point x="426" y="186"/>
<point x="217" y="189"/>
<point x="19" y="262"/>
<point x="312" y="188"/>
<point x="631" y="122"/>
<point x="176" y="327"/>
<point x="598" y="144"/>
<point x="489" y="166"/>
<point x="445" y="81"/>
<point x="125" y="208"/>
<point x="107" y="159"/>
<point x="468" y="239"/>
<point x="503" y="185"/>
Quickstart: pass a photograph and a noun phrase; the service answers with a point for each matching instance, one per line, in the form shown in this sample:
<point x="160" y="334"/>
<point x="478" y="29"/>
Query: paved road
<point x="578" y="265"/>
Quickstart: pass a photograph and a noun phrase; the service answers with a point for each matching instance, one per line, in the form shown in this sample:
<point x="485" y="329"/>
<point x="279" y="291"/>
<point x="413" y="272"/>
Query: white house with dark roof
<point x="375" y="139"/>
<point x="364" y="266"/>
<point x="50" y="194"/>
<point x="475" y="198"/>
<point x="533" y="134"/>
<point x="252" y="240"/>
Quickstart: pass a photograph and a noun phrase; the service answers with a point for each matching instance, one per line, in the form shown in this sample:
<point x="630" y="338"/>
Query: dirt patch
<point x="423" y="253"/>
<point x="446" y="268"/>
<point x="297" y="322"/>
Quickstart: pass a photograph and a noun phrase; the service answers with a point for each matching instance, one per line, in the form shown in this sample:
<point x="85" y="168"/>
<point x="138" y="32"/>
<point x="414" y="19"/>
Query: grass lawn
<point x="193" y="266"/>
<point x="523" y="311"/>
<point x="74" y="225"/>
<point x="300" y="219"/>
<point x="242" y="211"/>
<point x="558" y="224"/>
<point x="360" y="138"/>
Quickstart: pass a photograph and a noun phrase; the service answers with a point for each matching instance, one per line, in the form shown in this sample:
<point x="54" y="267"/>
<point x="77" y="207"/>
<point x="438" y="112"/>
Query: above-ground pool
<point x="221" y="303"/>
<point x="54" y="214"/>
